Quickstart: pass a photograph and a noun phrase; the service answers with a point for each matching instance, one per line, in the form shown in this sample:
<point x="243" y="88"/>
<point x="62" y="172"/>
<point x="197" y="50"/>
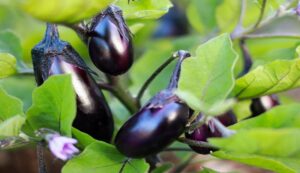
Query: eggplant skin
<point x="152" y="129"/>
<point x="110" y="50"/>
<point x="93" y="114"/>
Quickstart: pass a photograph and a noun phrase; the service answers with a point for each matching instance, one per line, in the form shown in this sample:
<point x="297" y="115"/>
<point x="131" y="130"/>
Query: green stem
<point x="197" y="143"/>
<point x="124" y="96"/>
<point x="261" y="15"/>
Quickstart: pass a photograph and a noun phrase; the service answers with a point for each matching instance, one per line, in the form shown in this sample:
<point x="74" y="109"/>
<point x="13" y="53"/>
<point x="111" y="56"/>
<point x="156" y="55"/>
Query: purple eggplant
<point x="53" y="56"/>
<point x="157" y="124"/>
<point x="211" y="129"/>
<point x="110" y="44"/>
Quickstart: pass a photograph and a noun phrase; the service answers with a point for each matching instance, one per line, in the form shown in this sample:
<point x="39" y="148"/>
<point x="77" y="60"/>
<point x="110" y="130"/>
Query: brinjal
<point x="211" y="129"/>
<point x="262" y="104"/>
<point x="110" y="44"/>
<point x="157" y="124"/>
<point x="172" y="24"/>
<point x="53" y="56"/>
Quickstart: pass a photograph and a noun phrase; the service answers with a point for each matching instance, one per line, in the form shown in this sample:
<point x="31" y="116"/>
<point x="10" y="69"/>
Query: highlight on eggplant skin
<point x="110" y="45"/>
<point x="207" y="131"/>
<point x="157" y="124"/>
<point x="53" y="56"/>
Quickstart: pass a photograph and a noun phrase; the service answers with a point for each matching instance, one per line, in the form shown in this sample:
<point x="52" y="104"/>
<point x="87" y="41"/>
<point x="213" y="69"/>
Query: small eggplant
<point x="212" y="129"/>
<point x="157" y="124"/>
<point x="53" y="56"/>
<point x="262" y="104"/>
<point x="109" y="43"/>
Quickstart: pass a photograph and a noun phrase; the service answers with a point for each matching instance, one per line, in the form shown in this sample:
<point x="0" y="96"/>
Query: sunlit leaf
<point x="103" y="157"/>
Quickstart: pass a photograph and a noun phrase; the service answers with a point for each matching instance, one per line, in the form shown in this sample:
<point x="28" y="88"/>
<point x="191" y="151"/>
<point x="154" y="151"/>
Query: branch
<point x="246" y="57"/>
<point x="197" y="143"/>
<point x="41" y="159"/>
<point x="152" y="77"/>
<point x="261" y="15"/>
<point x="124" y="96"/>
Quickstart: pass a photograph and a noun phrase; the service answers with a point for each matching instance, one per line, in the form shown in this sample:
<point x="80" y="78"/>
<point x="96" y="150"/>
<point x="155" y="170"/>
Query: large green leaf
<point x="283" y="116"/>
<point x="67" y="11"/>
<point x="54" y="106"/>
<point x="145" y="9"/>
<point x="277" y="28"/>
<point x="9" y="106"/>
<point x="10" y="43"/>
<point x="276" y="164"/>
<point x="277" y="76"/>
<point x="209" y="74"/>
<point x="201" y="14"/>
<point x="273" y="149"/>
<point x="7" y="65"/>
<point x="103" y="157"/>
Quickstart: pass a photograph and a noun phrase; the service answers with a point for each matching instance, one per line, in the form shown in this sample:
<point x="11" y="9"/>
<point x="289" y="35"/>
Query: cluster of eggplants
<point x="208" y="130"/>
<point x="157" y="124"/>
<point x="109" y="43"/>
<point x="174" y="23"/>
<point x="53" y="56"/>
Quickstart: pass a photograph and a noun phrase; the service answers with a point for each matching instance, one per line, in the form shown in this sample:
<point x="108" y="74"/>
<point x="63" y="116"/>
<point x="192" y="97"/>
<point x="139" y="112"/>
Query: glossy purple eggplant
<point x="53" y="56"/>
<point x="110" y="44"/>
<point x="210" y="130"/>
<point x="157" y="124"/>
<point x="262" y="104"/>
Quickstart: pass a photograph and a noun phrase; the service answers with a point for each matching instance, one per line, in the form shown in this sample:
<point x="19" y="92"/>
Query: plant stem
<point x="197" y="143"/>
<point x="261" y="15"/>
<point x="40" y="158"/>
<point x="124" y="96"/>
<point x="246" y="57"/>
<point x="152" y="77"/>
<point x="81" y="30"/>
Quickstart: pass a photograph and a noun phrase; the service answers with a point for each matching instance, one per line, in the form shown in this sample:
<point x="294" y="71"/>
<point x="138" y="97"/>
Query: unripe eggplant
<point x="210" y="130"/>
<point x="53" y="56"/>
<point x="157" y="124"/>
<point x="110" y="44"/>
<point x="262" y="104"/>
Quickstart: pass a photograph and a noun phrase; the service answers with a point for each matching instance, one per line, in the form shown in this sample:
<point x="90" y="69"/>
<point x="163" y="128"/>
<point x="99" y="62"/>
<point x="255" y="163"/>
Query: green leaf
<point x="283" y="116"/>
<point x="82" y="138"/>
<point x="54" y="106"/>
<point x="67" y="11"/>
<point x="201" y="14"/>
<point x="146" y="9"/>
<point x="273" y="149"/>
<point x="10" y="43"/>
<point x="209" y="74"/>
<point x="276" y="164"/>
<point x="103" y="157"/>
<point x="207" y="170"/>
<point x="7" y="65"/>
<point x="277" y="76"/>
<point x="11" y="126"/>
<point x="277" y="28"/>
<point x="199" y="106"/>
<point x="9" y="106"/>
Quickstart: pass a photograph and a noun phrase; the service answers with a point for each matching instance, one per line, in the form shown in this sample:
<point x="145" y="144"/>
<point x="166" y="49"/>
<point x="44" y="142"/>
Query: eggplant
<point x="110" y="44"/>
<point x="262" y="104"/>
<point x="53" y="56"/>
<point x="157" y="124"/>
